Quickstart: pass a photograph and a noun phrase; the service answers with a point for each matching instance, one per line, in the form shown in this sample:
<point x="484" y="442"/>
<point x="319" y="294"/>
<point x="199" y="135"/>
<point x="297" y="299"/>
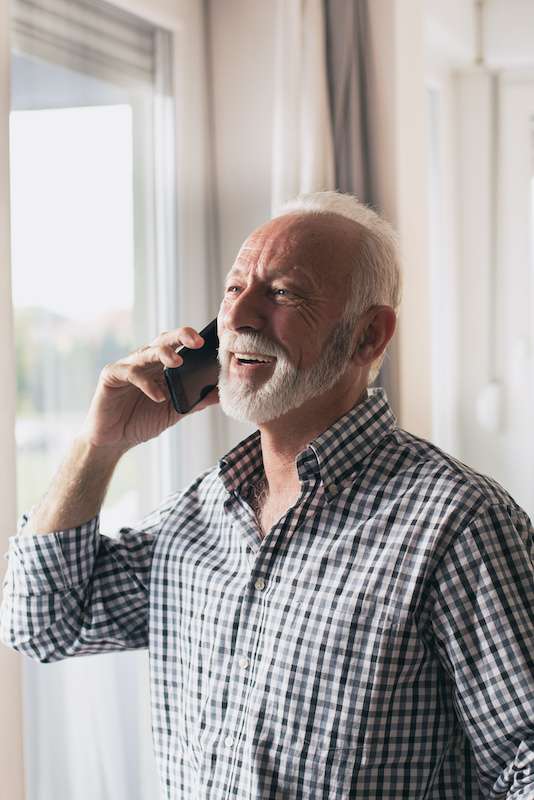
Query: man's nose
<point x="245" y="310"/>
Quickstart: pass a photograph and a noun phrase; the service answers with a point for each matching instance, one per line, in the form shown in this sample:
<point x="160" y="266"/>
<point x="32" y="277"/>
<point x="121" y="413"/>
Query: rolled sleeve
<point x="484" y="629"/>
<point x="77" y="592"/>
<point x="52" y="562"/>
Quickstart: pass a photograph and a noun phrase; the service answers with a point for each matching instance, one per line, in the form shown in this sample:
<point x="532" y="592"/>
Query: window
<point x="87" y="267"/>
<point x="73" y="278"/>
<point x="93" y="275"/>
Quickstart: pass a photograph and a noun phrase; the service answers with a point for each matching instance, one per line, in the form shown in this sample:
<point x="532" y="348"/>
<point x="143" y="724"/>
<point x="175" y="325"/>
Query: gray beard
<point x="288" y="387"/>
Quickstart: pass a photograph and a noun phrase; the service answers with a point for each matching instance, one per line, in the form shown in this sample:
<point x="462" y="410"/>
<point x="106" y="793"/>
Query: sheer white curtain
<point x="83" y="64"/>
<point x="303" y="156"/>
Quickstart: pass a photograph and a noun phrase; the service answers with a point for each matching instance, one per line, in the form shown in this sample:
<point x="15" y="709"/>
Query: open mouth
<point x="253" y="360"/>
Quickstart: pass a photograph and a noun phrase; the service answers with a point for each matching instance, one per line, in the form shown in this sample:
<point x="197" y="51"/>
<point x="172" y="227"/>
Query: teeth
<point x="248" y="357"/>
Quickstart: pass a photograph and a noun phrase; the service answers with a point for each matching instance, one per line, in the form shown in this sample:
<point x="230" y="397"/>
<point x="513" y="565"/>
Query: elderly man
<point x="338" y="609"/>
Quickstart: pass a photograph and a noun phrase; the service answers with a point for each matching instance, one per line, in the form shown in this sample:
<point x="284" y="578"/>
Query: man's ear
<point x="373" y="337"/>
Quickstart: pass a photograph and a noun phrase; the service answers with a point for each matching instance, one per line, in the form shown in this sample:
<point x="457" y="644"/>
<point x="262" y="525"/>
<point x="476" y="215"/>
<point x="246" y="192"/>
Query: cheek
<point x="302" y="346"/>
<point x="313" y="317"/>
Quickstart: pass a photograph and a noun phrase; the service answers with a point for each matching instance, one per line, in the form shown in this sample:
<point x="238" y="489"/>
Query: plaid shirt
<point x="376" y="644"/>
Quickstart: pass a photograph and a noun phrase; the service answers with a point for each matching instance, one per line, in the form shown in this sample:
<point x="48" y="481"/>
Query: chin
<point x="247" y="409"/>
<point x="240" y="414"/>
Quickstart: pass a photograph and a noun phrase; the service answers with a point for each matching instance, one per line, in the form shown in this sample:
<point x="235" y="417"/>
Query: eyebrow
<point x="303" y="278"/>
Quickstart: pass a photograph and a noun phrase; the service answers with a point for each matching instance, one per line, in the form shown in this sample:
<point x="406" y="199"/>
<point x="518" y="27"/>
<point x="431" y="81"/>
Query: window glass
<point x="93" y="229"/>
<point x="73" y="278"/>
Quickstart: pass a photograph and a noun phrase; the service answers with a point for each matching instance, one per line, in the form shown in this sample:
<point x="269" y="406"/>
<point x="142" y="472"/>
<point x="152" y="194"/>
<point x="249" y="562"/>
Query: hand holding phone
<point x="189" y="383"/>
<point x="131" y="402"/>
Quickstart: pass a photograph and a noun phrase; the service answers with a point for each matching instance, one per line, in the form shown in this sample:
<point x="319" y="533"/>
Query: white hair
<point x="376" y="279"/>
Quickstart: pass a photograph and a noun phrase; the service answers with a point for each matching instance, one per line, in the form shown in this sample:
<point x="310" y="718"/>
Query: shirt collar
<point x="334" y="455"/>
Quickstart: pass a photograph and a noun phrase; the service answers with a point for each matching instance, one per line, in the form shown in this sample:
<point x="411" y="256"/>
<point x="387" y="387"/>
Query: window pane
<point x="73" y="278"/>
<point x="90" y="258"/>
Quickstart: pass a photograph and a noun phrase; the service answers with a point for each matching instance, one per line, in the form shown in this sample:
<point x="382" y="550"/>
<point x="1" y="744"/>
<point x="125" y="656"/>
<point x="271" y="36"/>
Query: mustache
<point x="250" y="343"/>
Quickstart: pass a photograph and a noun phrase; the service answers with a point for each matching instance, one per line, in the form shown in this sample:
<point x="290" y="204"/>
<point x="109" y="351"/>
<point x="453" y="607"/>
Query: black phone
<point x="190" y="382"/>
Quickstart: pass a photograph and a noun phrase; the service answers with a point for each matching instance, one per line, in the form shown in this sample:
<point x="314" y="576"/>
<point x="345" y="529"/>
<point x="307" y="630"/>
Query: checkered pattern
<point x="376" y="644"/>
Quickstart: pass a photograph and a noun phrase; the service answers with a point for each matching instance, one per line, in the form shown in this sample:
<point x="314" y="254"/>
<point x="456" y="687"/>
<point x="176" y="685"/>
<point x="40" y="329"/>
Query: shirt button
<point x="259" y="584"/>
<point x="229" y="741"/>
<point x="331" y="488"/>
<point x="243" y="663"/>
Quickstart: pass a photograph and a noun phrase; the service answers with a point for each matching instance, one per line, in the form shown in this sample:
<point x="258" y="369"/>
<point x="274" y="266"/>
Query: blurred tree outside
<point x="58" y="361"/>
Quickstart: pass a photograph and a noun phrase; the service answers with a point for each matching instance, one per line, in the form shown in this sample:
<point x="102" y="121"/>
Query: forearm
<point x="78" y="489"/>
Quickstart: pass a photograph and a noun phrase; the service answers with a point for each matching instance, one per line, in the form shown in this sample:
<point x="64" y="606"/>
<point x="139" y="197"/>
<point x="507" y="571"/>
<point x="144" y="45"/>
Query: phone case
<point x="189" y="383"/>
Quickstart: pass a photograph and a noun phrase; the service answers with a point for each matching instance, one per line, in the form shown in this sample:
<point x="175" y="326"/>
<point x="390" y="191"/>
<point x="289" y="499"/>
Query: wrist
<point x="103" y="452"/>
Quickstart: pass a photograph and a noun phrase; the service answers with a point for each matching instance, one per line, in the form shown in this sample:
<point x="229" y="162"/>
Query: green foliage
<point x="58" y="360"/>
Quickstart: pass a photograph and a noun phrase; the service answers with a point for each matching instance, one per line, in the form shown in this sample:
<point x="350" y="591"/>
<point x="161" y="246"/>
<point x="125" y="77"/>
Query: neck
<point x="284" y="438"/>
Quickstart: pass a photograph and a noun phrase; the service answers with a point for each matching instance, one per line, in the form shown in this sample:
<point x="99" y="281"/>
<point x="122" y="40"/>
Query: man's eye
<point x="231" y="288"/>
<point x="280" y="292"/>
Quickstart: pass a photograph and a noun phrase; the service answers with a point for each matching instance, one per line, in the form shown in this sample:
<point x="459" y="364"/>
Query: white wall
<point x="481" y="316"/>
<point x="398" y="113"/>
<point x="242" y="48"/>
<point x="451" y="32"/>
<point x="509" y="39"/>
<point x="449" y="47"/>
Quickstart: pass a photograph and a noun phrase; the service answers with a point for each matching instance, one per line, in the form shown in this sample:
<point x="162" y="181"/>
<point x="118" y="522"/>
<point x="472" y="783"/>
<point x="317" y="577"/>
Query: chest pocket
<point x="324" y="671"/>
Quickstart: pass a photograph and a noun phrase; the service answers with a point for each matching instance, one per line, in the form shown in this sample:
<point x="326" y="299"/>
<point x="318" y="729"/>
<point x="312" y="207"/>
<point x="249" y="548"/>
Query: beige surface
<point x="11" y="760"/>
<point x="398" y="118"/>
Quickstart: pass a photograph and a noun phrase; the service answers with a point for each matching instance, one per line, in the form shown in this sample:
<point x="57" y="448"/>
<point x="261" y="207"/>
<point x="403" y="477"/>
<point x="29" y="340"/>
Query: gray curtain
<point x="347" y="43"/>
<point x="348" y="60"/>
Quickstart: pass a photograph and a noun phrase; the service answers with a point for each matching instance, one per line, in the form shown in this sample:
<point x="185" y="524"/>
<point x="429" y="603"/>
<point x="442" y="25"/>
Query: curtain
<point x="302" y="139"/>
<point x="348" y="61"/>
<point x="346" y="56"/>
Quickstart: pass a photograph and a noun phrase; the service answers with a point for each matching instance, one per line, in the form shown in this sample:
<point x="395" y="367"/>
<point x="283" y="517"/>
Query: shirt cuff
<point x="51" y="562"/>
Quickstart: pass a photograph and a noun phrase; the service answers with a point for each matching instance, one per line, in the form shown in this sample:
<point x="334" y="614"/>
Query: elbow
<point x="36" y="648"/>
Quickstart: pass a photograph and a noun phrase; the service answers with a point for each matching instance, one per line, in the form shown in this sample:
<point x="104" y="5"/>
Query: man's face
<point x="283" y="302"/>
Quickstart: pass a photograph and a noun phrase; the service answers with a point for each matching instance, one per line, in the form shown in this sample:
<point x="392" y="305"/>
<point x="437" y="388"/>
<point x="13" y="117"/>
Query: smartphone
<point x="189" y="383"/>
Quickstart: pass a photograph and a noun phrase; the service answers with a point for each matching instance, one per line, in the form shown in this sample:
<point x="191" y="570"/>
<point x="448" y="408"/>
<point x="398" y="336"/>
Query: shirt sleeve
<point x="77" y="592"/>
<point x="483" y="624"/>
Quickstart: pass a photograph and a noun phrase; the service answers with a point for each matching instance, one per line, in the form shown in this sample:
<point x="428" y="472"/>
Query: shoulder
<point x="444" y="477"/>
<point x="203" y="492"/>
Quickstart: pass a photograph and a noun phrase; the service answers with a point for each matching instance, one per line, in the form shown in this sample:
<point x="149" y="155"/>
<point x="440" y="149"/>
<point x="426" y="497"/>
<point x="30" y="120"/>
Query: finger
<point x="157" y="356"/>
<point x="148" y="386"/>
<point x="168" y="356"/>
<point x="120" y="374"/>
<point x="210" y="399"/>
<point x="180" y="336"/>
